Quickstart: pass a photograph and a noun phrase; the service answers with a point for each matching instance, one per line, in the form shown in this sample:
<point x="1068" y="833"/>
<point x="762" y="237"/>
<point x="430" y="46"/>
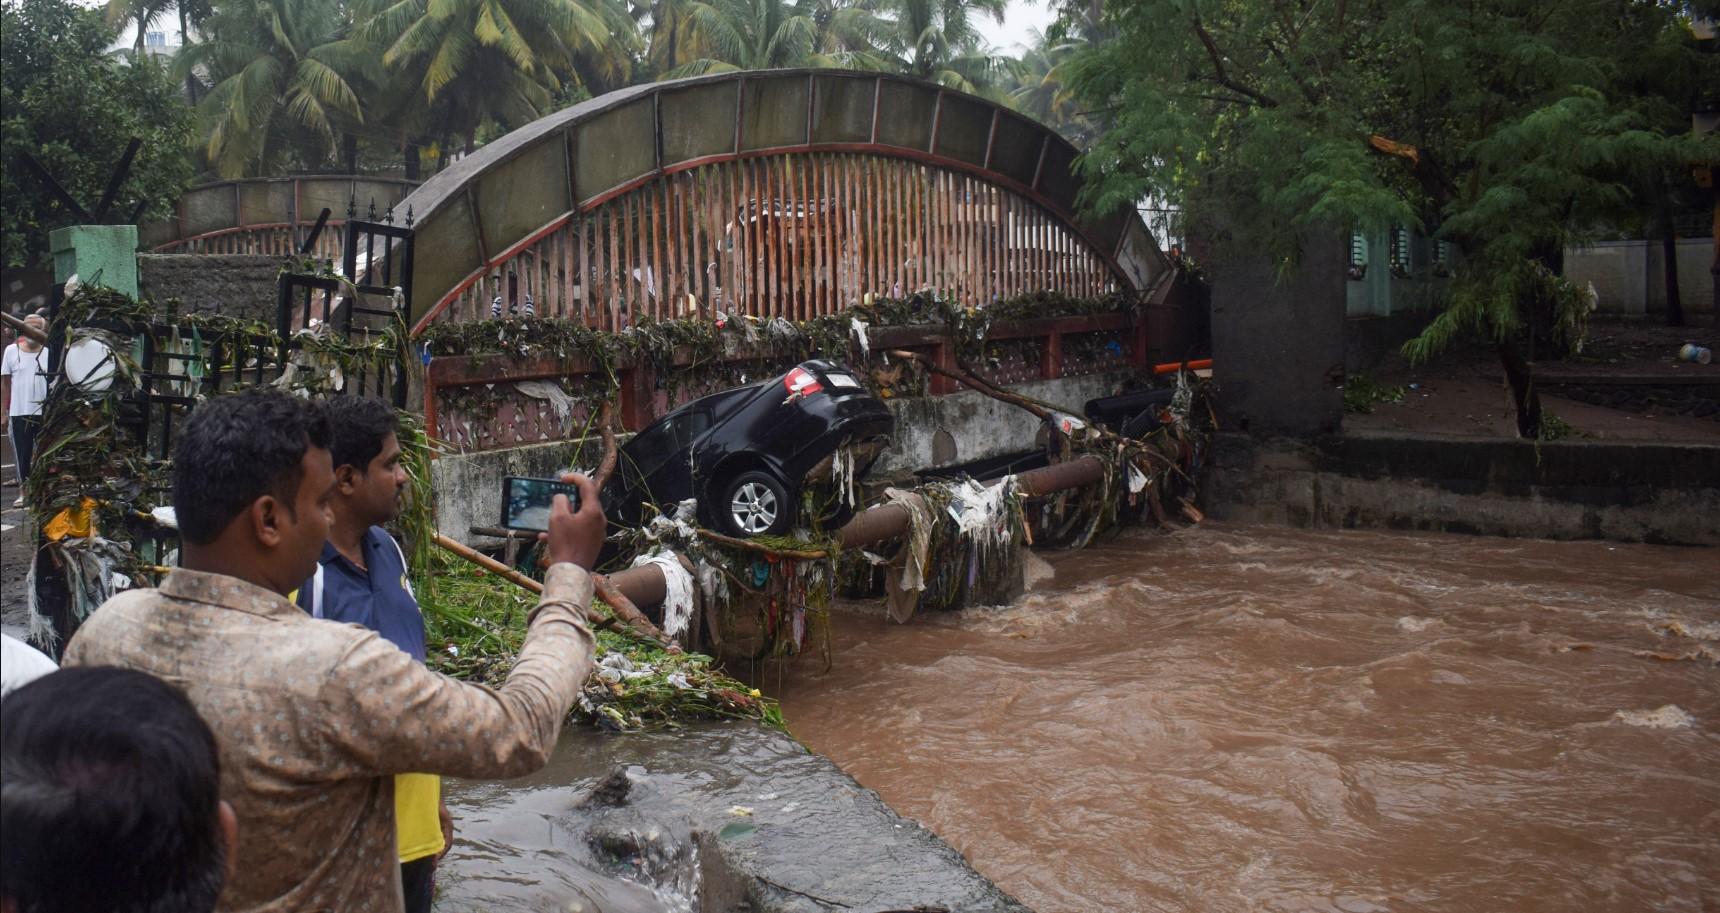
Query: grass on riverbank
<point x="476" y="622"/>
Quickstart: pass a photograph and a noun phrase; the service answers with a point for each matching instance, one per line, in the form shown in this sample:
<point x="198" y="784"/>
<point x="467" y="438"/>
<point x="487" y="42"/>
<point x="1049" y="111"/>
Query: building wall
<point x="1630" y="276"/>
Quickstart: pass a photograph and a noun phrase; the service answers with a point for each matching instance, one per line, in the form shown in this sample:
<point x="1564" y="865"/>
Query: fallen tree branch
<point x="732" y="542"/>
<point x="24" y="329"/>
<point x="627" y="615"/>
<point x="975" y="383"/>
<point x="1045" y="411"/>
<point x="611" y="453"/>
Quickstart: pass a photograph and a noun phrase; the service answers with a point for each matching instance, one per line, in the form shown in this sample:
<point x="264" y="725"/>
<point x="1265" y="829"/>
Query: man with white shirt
<point x="23" y="388"/>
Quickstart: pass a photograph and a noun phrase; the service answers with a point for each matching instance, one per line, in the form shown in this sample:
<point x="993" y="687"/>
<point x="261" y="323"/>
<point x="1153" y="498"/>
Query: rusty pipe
<point x="645" y="586"/>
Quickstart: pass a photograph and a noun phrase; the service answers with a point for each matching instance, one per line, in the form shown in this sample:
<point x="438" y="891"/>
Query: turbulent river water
<point x="1243" y="719"/>
<point x="1231" y="719"/>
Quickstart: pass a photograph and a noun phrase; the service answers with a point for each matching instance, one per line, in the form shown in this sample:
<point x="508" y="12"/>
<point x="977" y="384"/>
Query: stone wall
<point x="1628" y="492"/>
<point x="238" y="285"/>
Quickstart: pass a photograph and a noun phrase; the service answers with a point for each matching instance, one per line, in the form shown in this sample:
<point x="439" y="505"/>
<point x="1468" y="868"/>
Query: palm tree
<point x="461" y="64"/>
<point x="1037" y="87"/>
<point x="280" y="75"/>
<point x="747" y="35"/>
<point x="938" y="40"/>
<point x="142" y="12"/>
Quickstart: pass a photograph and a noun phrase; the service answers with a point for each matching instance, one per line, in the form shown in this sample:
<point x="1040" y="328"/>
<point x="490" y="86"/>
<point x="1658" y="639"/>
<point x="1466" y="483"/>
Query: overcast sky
<point x="1022" y="16"/>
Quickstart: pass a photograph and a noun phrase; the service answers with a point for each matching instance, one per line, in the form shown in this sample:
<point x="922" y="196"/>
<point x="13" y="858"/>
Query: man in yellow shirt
<point x="361" y="579"/>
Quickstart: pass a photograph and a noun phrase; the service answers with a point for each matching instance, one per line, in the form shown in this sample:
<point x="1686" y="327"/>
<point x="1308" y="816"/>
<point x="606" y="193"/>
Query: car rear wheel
<point x="755" y="504"/>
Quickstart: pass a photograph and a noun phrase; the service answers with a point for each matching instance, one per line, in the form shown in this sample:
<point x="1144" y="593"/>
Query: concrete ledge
<point x="1628" y="492"/>
<point x="776" y="828"/>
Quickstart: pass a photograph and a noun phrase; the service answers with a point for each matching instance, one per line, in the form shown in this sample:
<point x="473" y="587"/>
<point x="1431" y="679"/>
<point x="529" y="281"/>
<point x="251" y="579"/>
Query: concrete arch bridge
<point x="781" y="193"/>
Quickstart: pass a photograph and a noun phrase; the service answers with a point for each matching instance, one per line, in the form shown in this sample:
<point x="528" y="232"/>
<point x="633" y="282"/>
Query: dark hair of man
<point x="357" y="425"/>
<point x="237" y="448"/>
<point x="109" y="797"/>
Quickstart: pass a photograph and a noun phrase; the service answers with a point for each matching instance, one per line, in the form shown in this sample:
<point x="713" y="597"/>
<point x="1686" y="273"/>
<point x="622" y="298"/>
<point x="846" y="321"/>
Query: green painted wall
<point x="97" y="253"/>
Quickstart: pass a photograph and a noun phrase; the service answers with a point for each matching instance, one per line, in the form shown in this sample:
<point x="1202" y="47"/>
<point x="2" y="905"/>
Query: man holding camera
<point x="315" y="719"/>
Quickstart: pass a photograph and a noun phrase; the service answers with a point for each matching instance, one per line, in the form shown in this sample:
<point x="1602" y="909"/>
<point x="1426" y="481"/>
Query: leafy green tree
<point x="748" y="35"/>
<point x="1038" y="86"/>
<point x="73" y="107"/>
<point x="280" y="85"/>
<point x="467" y="63"/>
<point x="1509" y="128"/>
<point x="939" y="40"/>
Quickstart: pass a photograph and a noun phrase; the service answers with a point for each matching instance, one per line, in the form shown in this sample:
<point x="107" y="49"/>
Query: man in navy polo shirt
<point x="361" y="579"/>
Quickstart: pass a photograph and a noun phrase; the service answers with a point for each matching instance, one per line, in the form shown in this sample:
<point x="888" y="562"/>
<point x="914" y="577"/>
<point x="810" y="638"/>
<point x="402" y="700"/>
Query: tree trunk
<point x="191" y="85"/>
<point x="349" y="152"/>
<point x="1524" y="396"/>
<point x="412" y="165"/>
<point x="1669" y="251"/>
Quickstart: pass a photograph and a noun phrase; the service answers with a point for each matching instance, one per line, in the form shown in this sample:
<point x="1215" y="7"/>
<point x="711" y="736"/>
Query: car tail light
<point x="801" y="382"/>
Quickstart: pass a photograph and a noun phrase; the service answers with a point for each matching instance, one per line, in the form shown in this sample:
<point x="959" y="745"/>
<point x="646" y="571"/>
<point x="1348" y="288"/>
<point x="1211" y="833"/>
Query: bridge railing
<point x="497" y="401"/>
<point x="267" y="215"/>
<point x="793" y="236"/>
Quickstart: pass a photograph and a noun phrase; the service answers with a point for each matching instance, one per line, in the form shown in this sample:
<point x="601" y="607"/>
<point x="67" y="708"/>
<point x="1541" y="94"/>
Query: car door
<point x="655" y="463"/>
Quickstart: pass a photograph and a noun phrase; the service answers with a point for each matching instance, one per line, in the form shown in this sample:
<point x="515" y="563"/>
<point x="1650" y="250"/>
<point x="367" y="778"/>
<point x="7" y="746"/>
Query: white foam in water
<point x="1413" y="624"/>
<point x="1670" y="716"/>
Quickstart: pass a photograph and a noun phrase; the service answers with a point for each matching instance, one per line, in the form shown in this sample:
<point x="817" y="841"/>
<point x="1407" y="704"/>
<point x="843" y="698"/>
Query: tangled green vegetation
<point x="476" y="622"/>
<point x="102" y="468"/>
<point x="702" y="355"/>
<point x="1362" y="393"/>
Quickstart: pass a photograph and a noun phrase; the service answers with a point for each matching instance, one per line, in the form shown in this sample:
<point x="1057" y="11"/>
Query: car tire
<point x="754" y="504"/>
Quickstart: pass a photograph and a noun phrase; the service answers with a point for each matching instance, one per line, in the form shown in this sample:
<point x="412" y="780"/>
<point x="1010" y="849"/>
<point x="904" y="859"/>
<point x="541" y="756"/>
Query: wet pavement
<point x="715" y="817"/>
<point x="16" y="535"/>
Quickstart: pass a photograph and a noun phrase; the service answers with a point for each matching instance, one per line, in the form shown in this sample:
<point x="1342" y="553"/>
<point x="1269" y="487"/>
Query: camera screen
<point x="526" y="502"/>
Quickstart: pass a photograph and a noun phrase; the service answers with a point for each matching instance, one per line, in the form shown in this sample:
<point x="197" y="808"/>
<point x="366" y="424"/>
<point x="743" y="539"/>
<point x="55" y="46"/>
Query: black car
<point x="745" y="454"/>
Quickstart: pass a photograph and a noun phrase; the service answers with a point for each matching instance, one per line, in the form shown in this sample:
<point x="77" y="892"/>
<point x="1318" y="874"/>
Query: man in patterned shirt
<point x="314" y="718"/>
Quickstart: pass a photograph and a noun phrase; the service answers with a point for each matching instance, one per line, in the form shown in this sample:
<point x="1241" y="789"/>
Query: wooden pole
<point x="627" y="614"/>
<point x="25" y="329"/>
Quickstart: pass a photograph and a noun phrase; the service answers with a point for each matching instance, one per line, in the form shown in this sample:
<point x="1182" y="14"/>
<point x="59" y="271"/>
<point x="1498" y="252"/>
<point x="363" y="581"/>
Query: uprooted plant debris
<point x="475" y="623"/>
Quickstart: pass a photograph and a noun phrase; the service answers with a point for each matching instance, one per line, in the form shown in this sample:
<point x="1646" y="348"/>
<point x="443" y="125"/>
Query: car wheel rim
<point x="753" y="507"/>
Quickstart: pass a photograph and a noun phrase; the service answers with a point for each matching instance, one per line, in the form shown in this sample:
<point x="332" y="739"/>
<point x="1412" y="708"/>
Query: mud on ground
<point x="1463" y="392"/>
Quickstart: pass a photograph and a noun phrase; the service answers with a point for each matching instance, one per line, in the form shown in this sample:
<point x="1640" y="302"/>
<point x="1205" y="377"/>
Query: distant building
<point x="155" y="44"/>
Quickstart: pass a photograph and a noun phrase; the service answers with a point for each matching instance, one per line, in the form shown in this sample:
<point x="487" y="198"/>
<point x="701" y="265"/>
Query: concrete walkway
<point x="16" y="537"/>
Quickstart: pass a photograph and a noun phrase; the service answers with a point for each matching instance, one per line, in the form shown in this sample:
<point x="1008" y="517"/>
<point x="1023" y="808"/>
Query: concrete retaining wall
<point x="973" y="427"/>
<point x="1628" y="492"/>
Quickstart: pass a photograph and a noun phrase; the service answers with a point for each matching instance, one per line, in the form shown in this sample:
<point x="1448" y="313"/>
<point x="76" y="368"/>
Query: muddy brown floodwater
<point x="1231" y="719"/>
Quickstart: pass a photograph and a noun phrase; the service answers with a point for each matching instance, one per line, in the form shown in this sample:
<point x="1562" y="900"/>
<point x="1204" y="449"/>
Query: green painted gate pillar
<point x="103" y="254"/>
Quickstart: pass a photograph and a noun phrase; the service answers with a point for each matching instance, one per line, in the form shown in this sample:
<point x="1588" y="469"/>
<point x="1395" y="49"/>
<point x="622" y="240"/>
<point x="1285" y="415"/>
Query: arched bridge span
<point x="776" y="193"/>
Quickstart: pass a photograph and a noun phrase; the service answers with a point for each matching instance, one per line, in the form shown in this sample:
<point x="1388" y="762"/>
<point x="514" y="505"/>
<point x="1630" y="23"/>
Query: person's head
<point x="368" y="476"/>
<point x="110" y="797"/>
<point x="35" y="321"/>
<point x="251" y="486"/>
